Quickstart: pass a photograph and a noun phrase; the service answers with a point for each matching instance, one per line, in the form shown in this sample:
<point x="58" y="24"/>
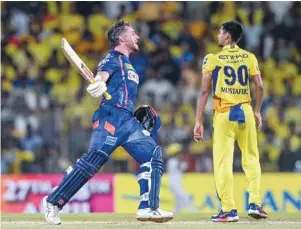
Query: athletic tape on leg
<point x="83" y="170"/>
<point x="157" y="167"/>
<point x="143" y="178"/>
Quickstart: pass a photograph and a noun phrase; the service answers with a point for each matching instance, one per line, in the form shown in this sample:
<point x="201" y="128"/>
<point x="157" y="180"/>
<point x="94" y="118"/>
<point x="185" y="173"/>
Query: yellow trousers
<point x="224" y="135"/>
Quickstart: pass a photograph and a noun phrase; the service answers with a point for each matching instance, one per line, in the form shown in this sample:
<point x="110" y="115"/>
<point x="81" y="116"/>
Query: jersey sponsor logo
<point x="235" y="91"/>
<point x="232" y="57"/>
<point x="129" y="66"/>
<point x="111" y="140"/>
<point x="133" y="76"/>
<point x="234" y="61"/>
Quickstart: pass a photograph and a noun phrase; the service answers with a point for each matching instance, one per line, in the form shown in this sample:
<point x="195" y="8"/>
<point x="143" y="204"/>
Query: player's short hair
<point x="115" y="31"/>
<point x="234" y="28"/>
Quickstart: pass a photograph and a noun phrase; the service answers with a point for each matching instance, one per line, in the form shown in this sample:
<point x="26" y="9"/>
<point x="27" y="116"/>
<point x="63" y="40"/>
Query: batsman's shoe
<point x="158" y="215"/>
<point x="143" y="214"/>
<point x="226" y="216"/>
<point x="51" y="212"/>
<point x="256" y="212"/>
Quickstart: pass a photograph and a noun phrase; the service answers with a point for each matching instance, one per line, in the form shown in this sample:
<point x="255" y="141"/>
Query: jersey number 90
<point x="241" y="74"/>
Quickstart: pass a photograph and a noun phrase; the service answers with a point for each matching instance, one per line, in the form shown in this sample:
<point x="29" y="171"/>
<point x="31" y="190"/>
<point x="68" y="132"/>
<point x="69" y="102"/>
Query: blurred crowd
<point x="46" y="112"/>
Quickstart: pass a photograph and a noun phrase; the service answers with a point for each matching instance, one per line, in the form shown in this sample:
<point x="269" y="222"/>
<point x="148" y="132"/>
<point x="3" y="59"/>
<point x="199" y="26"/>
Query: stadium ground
<point x="128" y="221"/>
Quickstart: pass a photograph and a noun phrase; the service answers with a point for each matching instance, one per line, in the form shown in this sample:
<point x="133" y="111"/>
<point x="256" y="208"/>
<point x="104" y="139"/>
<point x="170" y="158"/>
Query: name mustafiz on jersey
<point x="235" y="91"/>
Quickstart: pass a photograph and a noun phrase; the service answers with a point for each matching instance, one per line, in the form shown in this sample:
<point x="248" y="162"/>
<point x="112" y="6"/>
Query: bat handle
<point x="107" y="95"/>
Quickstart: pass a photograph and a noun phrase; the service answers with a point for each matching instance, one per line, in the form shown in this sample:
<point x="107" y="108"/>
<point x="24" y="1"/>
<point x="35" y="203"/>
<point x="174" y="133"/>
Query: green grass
<point x="128" y="221"/>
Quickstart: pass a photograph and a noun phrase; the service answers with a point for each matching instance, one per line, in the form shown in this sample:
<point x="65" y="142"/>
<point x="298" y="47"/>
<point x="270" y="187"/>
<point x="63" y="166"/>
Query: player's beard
<point x="220" y="44"/>
<point x="135" y="46"/>
<point x="132" y="46"/>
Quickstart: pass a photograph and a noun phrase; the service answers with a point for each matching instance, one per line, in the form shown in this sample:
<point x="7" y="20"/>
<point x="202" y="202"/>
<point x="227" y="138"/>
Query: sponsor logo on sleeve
<point x="103" y="62"/>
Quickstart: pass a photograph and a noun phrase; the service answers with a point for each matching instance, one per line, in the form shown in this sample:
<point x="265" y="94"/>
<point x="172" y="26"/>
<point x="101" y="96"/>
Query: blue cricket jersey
<point x="123" y="80"/>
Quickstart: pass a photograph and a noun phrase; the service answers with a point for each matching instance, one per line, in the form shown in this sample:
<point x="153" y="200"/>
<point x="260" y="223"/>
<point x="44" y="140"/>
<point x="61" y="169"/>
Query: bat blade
<point x="77" y="62"/>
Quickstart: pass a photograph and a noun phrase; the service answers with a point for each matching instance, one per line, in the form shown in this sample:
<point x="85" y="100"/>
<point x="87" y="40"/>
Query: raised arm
<point x="102" y="75"/>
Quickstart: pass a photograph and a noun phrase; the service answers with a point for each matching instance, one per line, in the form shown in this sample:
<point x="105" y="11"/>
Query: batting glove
<point x="97" y="88"/>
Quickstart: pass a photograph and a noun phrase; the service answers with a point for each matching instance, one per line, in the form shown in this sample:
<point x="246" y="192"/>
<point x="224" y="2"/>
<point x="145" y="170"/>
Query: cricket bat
<point x="76" y="61"/>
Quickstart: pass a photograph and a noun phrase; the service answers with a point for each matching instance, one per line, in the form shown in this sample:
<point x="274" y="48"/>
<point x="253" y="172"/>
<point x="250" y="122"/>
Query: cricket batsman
<point x="229" y="72"/>
<point x="115" y="124"/>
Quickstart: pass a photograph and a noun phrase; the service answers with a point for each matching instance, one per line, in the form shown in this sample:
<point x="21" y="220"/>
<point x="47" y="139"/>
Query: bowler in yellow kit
<point x="228" y="73"/>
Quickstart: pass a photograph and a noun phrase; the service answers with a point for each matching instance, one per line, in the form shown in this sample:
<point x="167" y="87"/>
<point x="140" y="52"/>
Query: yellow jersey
<point x="231" y="69"/>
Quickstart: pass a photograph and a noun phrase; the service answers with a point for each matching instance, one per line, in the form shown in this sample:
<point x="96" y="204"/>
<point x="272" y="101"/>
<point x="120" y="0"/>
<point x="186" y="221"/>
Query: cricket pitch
<point x="128" y="221"/>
